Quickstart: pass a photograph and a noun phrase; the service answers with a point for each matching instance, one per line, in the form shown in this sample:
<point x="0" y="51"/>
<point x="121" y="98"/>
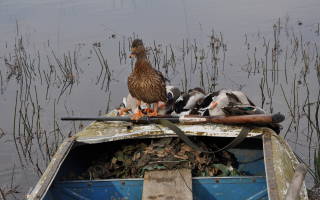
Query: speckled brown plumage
<point x="145" y="83"/>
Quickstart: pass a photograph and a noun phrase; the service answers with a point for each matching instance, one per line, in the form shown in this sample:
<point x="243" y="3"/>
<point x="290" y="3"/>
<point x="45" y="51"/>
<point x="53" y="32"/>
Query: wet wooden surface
<point x="167" y="184"/>
<point x="281" y="164"/>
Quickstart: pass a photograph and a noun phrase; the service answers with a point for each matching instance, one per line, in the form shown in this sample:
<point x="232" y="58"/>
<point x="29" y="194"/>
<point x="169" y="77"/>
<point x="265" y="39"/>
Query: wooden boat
<point x="263" y="154"/>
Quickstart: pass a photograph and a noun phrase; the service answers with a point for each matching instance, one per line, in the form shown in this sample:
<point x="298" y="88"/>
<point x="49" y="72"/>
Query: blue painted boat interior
<point x="203" y="188"/>
<point x="249" y="155"/>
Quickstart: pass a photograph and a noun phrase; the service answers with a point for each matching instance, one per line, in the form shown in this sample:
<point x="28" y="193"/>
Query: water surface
<point x="179" y="34"/>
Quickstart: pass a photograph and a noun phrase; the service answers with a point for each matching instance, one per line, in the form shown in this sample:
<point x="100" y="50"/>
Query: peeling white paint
<point x="104" y="132"/>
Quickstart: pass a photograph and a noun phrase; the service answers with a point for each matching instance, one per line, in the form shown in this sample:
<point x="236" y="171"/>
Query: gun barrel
<point x="241" y="119"/>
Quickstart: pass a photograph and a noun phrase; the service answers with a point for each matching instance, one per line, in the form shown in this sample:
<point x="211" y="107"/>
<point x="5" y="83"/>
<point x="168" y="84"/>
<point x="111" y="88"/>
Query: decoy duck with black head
<point x="186" y="103"/>
<point x="173" y="93"/>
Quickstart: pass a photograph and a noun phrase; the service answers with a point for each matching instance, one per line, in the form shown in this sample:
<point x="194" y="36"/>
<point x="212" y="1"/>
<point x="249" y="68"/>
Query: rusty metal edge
<point x="48" y="176"/>
<point x="268" y="162"/>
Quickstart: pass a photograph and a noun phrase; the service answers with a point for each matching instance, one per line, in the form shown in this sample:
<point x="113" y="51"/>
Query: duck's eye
<point x="170" y="96"/>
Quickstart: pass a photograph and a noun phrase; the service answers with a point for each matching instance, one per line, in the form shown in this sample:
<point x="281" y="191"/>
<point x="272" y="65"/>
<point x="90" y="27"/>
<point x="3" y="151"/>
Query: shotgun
<point x="259" y="119"/>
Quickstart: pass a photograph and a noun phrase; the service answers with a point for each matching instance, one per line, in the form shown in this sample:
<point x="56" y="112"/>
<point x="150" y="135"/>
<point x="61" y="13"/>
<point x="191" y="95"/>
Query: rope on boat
<point x="236" y="141"/>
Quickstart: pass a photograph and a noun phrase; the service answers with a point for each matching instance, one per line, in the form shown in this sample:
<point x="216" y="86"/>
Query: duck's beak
<point x="213" y="105"/>
<point x="133" y="50"/>
<point x="131" y="55"/>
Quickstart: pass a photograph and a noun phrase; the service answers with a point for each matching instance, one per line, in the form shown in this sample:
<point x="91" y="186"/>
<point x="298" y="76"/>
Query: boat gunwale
<point x="141" y="179"/>
<point x="272" y="167"/>
<point x="268" y="164"/>
<point x="41" y="188"/>
<point x="100" y="132"/>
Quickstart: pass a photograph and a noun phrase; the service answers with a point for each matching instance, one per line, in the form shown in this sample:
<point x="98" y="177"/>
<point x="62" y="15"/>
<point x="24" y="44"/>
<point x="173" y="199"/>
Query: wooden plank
<point x="167" y="184"/>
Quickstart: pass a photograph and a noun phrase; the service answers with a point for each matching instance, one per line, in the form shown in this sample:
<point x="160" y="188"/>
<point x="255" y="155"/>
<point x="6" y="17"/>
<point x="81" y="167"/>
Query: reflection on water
<point x="62" y="58"/>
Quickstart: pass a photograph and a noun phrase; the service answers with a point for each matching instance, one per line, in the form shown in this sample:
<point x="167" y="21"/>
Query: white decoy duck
<point x="129" y="105"/>
<point x="227" y="102"/>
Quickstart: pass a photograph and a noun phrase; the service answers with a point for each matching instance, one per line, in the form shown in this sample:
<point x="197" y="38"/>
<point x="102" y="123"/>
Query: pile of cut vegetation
<point x="131" y="161"/>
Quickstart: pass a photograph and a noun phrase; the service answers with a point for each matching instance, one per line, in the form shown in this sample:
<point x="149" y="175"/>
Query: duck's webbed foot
<point x="137" y="115"/>
<point x="148" y="110"/>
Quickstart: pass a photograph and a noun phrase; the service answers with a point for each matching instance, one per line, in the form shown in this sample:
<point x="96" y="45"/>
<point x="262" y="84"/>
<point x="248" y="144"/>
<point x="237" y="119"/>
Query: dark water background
<point x="70" y="57"/>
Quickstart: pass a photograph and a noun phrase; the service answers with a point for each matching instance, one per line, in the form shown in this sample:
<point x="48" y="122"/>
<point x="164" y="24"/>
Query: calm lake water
<point x="70" y="57"/>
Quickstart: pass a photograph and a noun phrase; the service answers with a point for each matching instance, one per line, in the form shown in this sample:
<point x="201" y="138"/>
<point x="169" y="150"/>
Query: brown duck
<point x="145" y="83"/>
